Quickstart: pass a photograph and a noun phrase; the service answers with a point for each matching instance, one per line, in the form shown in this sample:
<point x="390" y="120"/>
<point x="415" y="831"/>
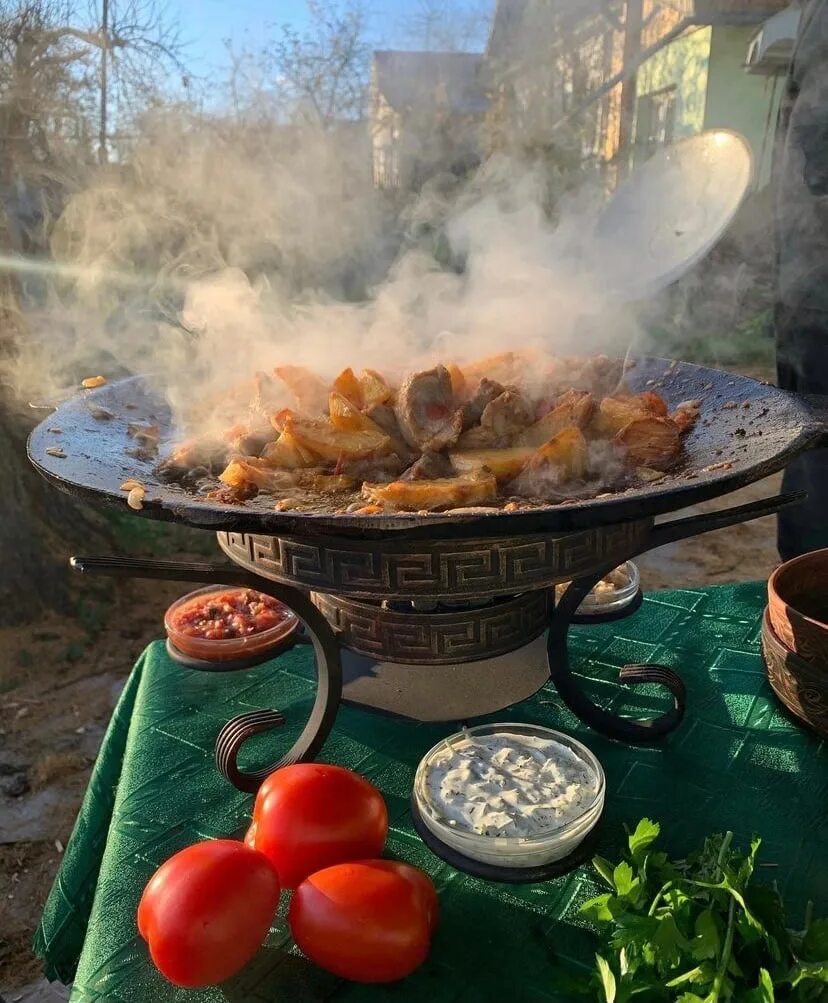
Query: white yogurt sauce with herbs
<point x="509" y="785"/>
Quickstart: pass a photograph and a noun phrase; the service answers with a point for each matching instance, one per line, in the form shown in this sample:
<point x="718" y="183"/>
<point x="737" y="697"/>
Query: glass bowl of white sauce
<point x="613" y="593"/>
<point x="511" y="795"/>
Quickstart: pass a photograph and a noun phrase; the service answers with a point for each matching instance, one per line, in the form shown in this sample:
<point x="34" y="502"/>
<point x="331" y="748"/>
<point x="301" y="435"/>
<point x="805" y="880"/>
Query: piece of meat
<point x="506" y="416"/>
<point x="251" y="440"/>
<point x="430" y="467"/>
<point x="192" y="461"/>
<point x="487" y="391"/>
<point x="379" y="469"/>
<point x="385" y="416"/>
<point x="425" y="410"/>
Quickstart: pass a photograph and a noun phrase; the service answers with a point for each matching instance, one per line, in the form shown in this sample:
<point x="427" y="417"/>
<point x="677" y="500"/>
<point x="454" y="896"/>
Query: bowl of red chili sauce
<point x="224" y="623"/>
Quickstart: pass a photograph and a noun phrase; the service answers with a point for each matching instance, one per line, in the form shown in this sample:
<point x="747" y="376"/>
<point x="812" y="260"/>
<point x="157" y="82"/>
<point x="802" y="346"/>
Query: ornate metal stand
<point x="529" y="565"/>
<point x="625" y="729"/>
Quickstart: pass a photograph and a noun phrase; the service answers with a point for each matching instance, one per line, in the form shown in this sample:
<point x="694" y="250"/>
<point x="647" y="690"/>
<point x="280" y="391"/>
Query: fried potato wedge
<point x="322" y="438"/>
<point x="349" y="387"/>
<point x="375" y="390"/>
<point x="505" y="464"/>
<point x="345" y="415"/>
<point x="650" y="442"/>
<point x="614" y="413"/>
<point x="458" y="380"/>
<point x="617" y="411"/>
<point x="310" y="391"/>
<point x="287" y="454"/>
<point x="242" y="472"/>
<point x="573" y="409"/>
<point x="476" y="488"/>
<point x="567" y="451"/>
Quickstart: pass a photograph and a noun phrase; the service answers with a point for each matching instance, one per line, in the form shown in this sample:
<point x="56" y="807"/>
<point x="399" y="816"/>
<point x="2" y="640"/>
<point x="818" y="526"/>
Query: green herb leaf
<point x="668" y="943"/>
<point x="808" y="971"/>
<point x="605" y="869"/>
<point x="707" y="942"/>
<point x="622" y="878"/>
<point x="607" y="979"/>
<point x="690" y="998"/>
<point x="646" y="833"/>
<point x="697" y="974"/>
<point x="747" y="865"/>
<point x="600" y="909"/>
<point x="815" y="944"/>
<point x="765" y="903"/>
<point x="763" y="993"/>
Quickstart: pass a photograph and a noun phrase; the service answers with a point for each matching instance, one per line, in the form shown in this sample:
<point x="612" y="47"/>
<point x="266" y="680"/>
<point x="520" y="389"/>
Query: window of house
<point x="655" y="121"/>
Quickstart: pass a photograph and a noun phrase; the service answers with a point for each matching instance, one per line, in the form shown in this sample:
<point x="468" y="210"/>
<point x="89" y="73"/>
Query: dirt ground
<point x="59" y="682"/>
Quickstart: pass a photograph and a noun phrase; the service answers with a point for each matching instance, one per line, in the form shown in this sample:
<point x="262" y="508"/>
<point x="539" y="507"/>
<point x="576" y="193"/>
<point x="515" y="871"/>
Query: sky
<point x="205" y="24"/>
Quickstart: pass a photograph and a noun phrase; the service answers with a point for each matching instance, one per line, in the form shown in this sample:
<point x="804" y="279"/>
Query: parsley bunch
<point x="700" y="930"/>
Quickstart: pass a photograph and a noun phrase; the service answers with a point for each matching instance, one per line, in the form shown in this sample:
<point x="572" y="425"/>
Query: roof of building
<point x="410" y="80"/>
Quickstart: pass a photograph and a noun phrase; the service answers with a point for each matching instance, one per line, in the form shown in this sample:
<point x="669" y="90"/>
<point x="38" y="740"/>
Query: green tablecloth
<point x="738" y="762"/>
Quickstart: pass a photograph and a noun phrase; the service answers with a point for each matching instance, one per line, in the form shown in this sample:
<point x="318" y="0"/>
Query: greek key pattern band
<point x="438" y="569"/>
<point x="437" y="638"/>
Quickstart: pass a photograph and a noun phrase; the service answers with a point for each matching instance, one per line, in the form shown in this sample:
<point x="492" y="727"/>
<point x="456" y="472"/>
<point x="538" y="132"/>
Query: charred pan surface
<point x="747" y="430"/>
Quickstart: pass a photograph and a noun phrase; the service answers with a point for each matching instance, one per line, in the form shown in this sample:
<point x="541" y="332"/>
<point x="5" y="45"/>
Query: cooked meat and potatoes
<point x="510" y="431"/>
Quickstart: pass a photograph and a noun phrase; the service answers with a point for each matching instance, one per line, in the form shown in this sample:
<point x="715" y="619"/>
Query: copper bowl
<point x="798" y="606"/>
<point x="802" y="688"/>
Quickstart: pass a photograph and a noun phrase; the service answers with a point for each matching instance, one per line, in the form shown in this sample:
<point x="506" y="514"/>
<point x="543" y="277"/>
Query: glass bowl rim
<point x="278" y="632"/>
<point x="557" y="834"/>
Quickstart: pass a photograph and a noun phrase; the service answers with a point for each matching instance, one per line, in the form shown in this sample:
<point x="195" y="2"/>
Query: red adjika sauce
<point x="227" y="623"/>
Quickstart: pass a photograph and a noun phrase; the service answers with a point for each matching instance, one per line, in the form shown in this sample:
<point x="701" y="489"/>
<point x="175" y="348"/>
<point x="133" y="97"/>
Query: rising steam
<point x="221" y="250"/>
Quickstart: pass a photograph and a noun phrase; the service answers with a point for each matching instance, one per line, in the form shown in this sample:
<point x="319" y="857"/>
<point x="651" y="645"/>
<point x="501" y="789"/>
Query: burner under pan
<point x="457" y="692"/>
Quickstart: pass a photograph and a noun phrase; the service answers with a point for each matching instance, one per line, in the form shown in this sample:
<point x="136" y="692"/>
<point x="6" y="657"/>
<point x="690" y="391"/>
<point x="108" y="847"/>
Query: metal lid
<point x="669" y="213"/>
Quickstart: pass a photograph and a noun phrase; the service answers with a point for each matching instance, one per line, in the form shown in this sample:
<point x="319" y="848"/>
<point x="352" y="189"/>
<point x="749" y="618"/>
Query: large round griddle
<point x="747" y="430"/>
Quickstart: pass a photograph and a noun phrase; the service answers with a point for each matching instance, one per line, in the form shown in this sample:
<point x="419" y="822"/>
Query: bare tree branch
<point x="321" y="73"/>
<point x="445" y="26"/>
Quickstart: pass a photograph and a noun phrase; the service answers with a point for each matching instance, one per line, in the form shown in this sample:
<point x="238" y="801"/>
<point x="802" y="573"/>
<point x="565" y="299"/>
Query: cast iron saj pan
<point x="746" y="431"/>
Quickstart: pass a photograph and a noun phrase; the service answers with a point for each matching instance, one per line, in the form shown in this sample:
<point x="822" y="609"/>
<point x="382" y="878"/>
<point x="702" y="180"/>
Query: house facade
<point x="624" y="77"/>
<point x="700" y="81"/>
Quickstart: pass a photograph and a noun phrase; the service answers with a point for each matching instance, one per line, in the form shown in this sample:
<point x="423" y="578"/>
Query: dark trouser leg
<point x="801" y="182"/>
<point x="802" y="364"/>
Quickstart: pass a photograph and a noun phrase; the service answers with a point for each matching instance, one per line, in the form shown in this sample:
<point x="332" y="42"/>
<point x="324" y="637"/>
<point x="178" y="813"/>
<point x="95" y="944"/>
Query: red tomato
<point x="312" y="815"/>
<point x="368" y="920"/>
<point x="207" y="910"/>
<point x="421" y="882"/>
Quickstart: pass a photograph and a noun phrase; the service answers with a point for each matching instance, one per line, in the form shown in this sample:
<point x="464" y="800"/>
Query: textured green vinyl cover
<point x="738" y="762"/>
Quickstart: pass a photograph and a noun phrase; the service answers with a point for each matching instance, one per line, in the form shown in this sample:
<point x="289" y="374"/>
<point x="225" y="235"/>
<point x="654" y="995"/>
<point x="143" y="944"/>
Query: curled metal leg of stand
<point x="637" y="732"/>
<point x="328" y="695"/>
